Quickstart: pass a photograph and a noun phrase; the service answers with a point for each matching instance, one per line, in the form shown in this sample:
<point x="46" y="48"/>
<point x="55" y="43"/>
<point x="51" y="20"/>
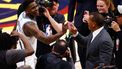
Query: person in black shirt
<point x="50" y="25"/>
<point x="117" y="27"/>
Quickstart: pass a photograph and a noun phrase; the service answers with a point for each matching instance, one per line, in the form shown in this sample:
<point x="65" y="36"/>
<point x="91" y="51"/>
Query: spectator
<point x="106" y="8"/>
<point x="54" y="60"/>
<point x="27" y="25"/>
<point x="99" y="43"/>
<point x="9" y="56"/>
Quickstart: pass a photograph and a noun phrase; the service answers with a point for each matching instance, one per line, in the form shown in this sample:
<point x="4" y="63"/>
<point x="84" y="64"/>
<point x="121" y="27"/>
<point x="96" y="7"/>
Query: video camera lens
<point x="108" y="21"/>
<point x="43" y="4"/>
<point x="41" y="10"/>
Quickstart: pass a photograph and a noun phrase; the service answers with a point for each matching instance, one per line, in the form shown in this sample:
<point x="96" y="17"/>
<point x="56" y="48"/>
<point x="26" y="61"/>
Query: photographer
<point x="50" y="22"/>
<point x="9" y="56"/>
<point x="54" y="59"/>
<point x="107" y="9"/>
<point x="117" y="27"/>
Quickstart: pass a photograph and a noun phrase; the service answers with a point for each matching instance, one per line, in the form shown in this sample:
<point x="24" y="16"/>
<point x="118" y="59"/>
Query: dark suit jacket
<point x="99" y="51"/>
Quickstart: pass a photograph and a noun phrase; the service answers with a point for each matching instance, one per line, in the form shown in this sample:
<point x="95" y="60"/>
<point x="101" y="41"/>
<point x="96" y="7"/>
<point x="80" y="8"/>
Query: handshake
<point x="70" y="26"/>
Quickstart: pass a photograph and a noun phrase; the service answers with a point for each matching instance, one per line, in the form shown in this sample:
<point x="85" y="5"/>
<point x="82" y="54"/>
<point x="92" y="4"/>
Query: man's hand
<point x="115" y="26"/>
<point x="46" y="13"/>
<point x="15" y="33"/>
<point x="67" y="53"/>
<point x="72" y="28"/>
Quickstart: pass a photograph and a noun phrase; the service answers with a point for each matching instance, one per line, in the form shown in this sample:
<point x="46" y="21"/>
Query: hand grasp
<point x="72" y="28"/>
<point x="46" y="13"/>
<point x="115" y="26"/>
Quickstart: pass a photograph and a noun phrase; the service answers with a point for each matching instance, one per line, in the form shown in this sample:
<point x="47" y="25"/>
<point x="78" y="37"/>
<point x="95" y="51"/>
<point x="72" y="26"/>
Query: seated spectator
<point x="9" y="56"/>
<point x="54" y="60"/>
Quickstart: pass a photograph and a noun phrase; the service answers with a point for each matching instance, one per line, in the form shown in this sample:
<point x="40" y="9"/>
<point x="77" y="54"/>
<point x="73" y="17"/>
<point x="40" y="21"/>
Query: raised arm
<point x="57" y="26"/>
<point x="78" y="37"/>
<point x="28" y="48"/>
<point x="115" y="26"/>
<point x="30" y="29"/>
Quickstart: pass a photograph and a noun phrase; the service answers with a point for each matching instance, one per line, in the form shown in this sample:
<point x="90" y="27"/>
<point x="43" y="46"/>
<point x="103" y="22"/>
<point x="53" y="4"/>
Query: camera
<point x="111" y="17"/>
<point x="109" y="20"/>
<point x="43" y="4"/>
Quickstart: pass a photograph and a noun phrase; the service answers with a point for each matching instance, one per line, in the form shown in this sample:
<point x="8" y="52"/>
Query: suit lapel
<point x="89" y="42"/>
<point x="89" y="39"/>
<point x="94" y="42"/>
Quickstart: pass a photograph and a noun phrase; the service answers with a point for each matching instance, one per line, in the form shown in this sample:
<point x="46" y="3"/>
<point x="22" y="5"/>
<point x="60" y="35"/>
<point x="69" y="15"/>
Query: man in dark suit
<point x="99" y="43"/>
<point x="81" y="6"/>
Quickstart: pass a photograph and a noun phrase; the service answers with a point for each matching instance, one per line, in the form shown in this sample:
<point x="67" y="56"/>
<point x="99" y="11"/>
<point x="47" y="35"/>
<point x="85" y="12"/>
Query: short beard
<point x="31" y="16"/>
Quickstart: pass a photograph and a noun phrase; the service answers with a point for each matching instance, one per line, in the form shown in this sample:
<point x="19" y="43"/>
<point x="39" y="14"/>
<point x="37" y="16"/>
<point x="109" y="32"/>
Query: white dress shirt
<point x="96" y="32"/>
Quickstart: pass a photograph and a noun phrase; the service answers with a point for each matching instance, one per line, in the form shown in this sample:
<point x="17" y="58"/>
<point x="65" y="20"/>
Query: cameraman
<point x="117" y="27"/>
<point x="108" y="9"/>
<point x="54" y="60"/>
<point x="50" y="23"/>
